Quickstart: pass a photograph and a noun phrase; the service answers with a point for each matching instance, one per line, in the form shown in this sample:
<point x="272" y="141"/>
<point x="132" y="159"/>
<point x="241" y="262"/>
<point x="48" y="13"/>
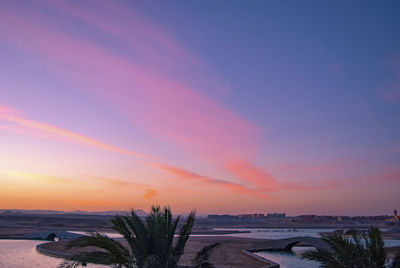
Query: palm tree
<point x="364" y="251"/>
<point x="150" y="243"/>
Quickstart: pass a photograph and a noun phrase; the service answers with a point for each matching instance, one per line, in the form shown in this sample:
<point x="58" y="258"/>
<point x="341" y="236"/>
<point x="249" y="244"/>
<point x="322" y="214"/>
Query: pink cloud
<point x="167" y="108"/>
<point x="150" y="193"/>
<point x="265" y="181"/>
<point x="43" y="130"/>
<point x="112" y="181"/>
<point x="392" y="175"/>
<point x="35" y="128"/>
<point x="312" y="168"/>
<point x="187" y="175"/>
<point x="254" y="175"/>
<point x="44" y="178"/>
<point x="6" y="110"/>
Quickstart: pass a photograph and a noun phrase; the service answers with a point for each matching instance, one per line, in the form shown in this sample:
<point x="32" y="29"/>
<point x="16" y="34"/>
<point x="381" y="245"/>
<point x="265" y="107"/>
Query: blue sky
<point x="275" y="100"/>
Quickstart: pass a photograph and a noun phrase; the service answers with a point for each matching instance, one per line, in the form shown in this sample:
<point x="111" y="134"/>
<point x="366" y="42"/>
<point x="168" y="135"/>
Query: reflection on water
<point x="289" y="259"/>
<point x="276" y="233"/>
<point x="111" y="235"/>
<point x="23" y="254"/>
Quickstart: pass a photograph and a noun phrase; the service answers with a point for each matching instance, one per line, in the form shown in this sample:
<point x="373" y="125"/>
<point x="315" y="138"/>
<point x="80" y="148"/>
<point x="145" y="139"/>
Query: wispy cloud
<point x="112" y="181"/>
<point x="163" y="105"/>
<point x="60" y="133"/>
<point x="43" y="178"/>
<point x="57" y="132"/>
<point x="391" y="175"/>
<point x="312" y="168"/>
<point x="149" y="193"/>
<point x="161" y="102"/>
<point x="187" y="175"/>
<point x="265" y="181"/>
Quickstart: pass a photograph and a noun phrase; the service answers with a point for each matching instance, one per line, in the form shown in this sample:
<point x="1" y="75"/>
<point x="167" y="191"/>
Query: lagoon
<point x="22" y="253"/>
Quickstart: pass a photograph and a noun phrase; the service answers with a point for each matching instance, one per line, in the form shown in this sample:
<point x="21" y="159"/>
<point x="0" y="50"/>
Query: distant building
<point x="251" y="216"/>
<point x="276" y="215"/>
<point x="222" y="217"/>
<point x="395" y="216"/>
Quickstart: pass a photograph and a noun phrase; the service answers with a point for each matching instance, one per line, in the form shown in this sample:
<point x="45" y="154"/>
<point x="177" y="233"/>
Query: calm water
<point x="276" y="233"/>
<point x="290" y="259"/>
<point x="22" y="253"/>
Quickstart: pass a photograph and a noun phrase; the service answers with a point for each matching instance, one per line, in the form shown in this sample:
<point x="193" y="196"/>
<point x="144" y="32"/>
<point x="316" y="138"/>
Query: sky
<point x="219" y="106"/>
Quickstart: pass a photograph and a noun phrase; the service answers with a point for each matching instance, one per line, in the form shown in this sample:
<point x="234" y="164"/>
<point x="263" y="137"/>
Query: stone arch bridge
<point x="287" y="244"/>
<point x="53" y="235"/>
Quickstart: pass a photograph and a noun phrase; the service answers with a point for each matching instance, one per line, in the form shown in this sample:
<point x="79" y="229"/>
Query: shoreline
<point x="60" y="255"/>
<point x="232" y="246"/>
<point x="233" y="252"/>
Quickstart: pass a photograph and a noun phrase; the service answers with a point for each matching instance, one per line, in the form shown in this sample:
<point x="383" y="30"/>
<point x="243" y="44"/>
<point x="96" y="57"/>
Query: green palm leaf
<point x="202" y="258"/>
<point x="186" y="230"/>
<point x="366" y="251"/>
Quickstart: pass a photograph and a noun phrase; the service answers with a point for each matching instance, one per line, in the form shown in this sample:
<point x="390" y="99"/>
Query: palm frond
<point x="119" y="253"/>
<point x="151" y="242"/>
<point x="326" y="258"/>
<point x="119" y="225"/>
<point x="86" y="257"/>
<point x="396" y="261"/>
<point x="184" y="234"/>
<point x="362" y="250"/>
<point x="202" y="258"/>
<point x="69" y="264"/>
<point x="376" y="247"/>
<point x="134" y="232"/>
<point x="153" y="261"/>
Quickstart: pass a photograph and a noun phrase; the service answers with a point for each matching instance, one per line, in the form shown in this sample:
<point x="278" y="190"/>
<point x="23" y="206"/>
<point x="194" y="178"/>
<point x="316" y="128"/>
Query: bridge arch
<point x="52" y="237"/>
<point x="318" y="243"/>
<point x="289" y="246"/>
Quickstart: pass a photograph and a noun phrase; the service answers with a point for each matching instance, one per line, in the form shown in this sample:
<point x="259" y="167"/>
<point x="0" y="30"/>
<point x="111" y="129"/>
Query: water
<point x="111" y="235"/>
<point x="275" y="233"/>
<point x="290" y="259"/>
<point x="23" y="254"/>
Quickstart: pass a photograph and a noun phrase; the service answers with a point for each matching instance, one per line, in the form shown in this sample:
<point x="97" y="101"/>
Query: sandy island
<point x="231" y="253"/>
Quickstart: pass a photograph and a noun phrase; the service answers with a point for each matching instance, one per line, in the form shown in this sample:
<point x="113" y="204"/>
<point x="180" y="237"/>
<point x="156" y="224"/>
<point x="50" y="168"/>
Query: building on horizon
<point x="276" y="215"/>
<point x="251" y="216"/>
<point x="395" y="216"/>
<point x="221" y="217"/>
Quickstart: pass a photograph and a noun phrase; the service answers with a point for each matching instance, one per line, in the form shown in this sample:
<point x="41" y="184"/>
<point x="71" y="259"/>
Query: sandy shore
<point x="229" y="254"/>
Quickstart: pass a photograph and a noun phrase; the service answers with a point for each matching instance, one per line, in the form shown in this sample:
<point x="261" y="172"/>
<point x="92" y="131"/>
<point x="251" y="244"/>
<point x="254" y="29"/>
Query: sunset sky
<point x="220" y="106"/>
